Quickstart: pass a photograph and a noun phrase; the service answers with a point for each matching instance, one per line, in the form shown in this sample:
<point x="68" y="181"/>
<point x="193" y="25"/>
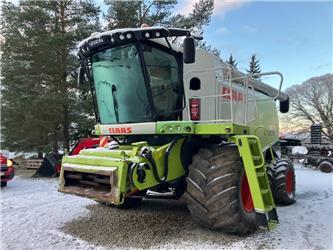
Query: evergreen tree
<point x="132" y="14"/>
<point x="232" y="61"/>
<point x="254" y="67"/>
<point x="197" y="18"/>
<point x="41" y="105"/>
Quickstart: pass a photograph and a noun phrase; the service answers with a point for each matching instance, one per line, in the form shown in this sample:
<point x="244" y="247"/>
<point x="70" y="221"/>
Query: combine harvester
<point x="184" y="123"/>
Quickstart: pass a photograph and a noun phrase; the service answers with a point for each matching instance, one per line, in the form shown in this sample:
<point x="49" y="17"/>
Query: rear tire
<point x="281" y="176"/>
<point x="213" y="194"/>
<point x="326" y="167"/>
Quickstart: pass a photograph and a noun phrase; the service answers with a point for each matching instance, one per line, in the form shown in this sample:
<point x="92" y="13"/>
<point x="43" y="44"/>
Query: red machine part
<point x="84" y="143"/>
<point x="246" y="195"/>
<point x="195" y="109"/>
<point x="7" y="170"/>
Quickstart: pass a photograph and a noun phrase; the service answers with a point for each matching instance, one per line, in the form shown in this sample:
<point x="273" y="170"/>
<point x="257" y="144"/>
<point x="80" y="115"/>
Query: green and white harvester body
<point x="183" y="123"/>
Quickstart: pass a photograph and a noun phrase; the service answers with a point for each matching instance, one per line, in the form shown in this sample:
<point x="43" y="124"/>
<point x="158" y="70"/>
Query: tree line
<point x="311" y="102"/>
<point x="254" y="65"/>
<point x="42" y="109"/>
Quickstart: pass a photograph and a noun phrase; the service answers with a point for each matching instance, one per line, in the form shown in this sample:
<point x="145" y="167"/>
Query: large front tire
<point x="216" y="191"/>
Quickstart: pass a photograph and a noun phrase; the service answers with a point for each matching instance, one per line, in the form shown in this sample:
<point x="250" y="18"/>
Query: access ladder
<point x="254" y="164"/>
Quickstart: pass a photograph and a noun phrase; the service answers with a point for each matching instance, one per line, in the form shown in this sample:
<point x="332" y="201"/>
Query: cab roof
<point x="117" y="37"/>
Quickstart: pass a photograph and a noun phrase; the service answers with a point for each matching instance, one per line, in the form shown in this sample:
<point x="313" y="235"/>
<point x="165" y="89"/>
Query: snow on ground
<point x="32" y="211"/>
<point x="33" y="215"/>
<point x="307" y="224"/>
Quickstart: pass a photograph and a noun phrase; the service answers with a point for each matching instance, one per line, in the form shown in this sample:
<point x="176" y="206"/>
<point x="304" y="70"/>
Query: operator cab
<point x="134" y="79"/>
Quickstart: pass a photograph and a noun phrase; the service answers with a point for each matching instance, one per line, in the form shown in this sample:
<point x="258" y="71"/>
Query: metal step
<point x="254" y="164"/>
<point x="256" y="157"/>
<point x="260" y="174"/>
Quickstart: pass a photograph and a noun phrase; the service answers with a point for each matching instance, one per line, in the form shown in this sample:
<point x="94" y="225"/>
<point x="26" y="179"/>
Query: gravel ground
<point x="38" y="217"/>
<point x="153" y="225"/>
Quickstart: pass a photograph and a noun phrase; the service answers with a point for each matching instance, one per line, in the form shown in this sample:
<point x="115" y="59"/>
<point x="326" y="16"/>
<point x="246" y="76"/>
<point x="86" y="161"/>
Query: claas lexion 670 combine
<point x="185" y="124"/>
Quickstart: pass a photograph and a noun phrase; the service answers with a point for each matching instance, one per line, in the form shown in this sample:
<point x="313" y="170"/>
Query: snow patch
<point x="32" y="213"/>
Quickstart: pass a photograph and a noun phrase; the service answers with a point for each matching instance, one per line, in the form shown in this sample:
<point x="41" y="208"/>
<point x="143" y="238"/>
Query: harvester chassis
<point x="164" y="108"/>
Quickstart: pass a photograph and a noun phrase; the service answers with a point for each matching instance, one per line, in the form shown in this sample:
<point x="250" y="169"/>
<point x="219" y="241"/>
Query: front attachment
<point x="113" y="175"/>
<point x="96" y="177"/>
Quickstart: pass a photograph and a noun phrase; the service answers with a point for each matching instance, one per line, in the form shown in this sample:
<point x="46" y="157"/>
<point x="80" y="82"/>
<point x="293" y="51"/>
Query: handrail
<point x="254" y="85"/>
<point x="257" y="85"/>
<point x="265" y="74"/>
<point x="263" y="87"/>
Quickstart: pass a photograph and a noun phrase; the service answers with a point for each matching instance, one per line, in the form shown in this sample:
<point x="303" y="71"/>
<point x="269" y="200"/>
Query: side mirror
<point x="80" y="76"/>
<point x="284" y="106"/>
<point x="189" y="50"/>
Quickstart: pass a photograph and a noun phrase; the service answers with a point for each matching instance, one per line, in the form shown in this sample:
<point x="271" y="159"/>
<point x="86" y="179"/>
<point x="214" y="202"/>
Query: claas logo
<point x="236" y="96"/>
<point x="125" y="130"/>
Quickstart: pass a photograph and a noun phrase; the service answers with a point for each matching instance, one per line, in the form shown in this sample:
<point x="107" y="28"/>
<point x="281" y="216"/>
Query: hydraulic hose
<point x="146" y="153"/>
<point x="166" y="157"/>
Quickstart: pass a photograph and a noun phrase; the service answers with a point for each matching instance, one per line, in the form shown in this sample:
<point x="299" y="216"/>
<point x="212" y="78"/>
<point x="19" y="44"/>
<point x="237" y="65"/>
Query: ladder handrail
<point x="254" y="164"/>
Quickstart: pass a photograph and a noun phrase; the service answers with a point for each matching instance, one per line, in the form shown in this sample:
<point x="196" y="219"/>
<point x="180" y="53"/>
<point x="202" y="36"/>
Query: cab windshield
<point x="129" y="90"/>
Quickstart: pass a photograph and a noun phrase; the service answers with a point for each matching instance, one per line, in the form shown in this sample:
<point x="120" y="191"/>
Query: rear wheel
<point x="218" y="194"/>
<point x="326" y="167"/>
<point x="281" y="176"/>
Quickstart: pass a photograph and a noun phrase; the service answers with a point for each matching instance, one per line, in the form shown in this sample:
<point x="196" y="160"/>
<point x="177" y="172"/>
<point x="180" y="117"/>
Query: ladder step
<point x="272" y="224"/>
<point x="256" y="157"/>
<point x="258" y="166"/>
<point x="254" y="164"/>
<point x="268" y="220"/>
<point x="260" y="174"/>
<point x="252" y="142"/>
<point x="264" y="191"/>
<point x="269" y="208"/>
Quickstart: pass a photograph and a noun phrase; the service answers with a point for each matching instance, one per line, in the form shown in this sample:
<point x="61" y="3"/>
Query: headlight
<point x="9" y="163"/>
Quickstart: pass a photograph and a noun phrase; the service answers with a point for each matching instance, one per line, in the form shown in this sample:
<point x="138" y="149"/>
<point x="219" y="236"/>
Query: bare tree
<point x="311" y="102"/>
